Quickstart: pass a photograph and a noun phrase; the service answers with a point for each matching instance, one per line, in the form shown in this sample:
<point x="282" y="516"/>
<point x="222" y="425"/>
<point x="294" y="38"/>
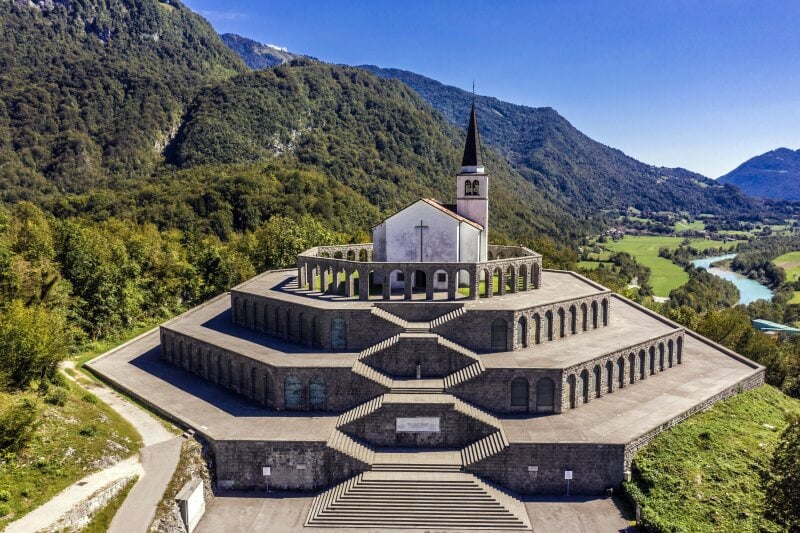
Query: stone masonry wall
<point x="295" y="466"/>
<point x="400" y="360"/>
<point x="492" y="389"/>
<point x="380" y="428"/>
<point x="335" y="389"/>
<point x="539" y="468"/>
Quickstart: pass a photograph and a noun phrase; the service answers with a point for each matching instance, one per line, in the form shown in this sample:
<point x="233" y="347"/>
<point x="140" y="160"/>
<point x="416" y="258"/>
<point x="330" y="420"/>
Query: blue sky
<point x="702" y="84"/>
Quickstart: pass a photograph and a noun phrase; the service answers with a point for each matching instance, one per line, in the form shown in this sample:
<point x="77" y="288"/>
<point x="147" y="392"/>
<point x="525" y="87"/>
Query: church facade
<point x="436" y="400"/>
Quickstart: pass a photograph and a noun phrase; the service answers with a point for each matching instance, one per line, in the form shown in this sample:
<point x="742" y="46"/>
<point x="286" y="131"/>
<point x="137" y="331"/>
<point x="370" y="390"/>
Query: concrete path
<point x="159" y="462"/>
<point x="50" y="512"/>
<point x="154" y="465"/>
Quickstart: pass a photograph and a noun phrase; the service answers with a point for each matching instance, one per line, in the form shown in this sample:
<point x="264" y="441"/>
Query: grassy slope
<point x="59" y="454"/>
<point x="704" y="474"/>
<point x="665" y="275"/>
<point x="790" y="263"/>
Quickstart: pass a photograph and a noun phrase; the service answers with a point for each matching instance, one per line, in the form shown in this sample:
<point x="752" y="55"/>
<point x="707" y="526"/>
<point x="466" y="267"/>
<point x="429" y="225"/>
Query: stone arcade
<point x="437" y="399"/>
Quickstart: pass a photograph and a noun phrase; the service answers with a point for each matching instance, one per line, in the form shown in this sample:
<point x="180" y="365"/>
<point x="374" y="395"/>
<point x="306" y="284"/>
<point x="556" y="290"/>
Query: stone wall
<point x="400" y="359"/>
<point x="379" y="428"/>
<point x="314" y="389"/>
<point x="295" y="466"/>
<point x="418" y="311"/>
<point x="492" y="390"/>
<point x="539" y="468"/>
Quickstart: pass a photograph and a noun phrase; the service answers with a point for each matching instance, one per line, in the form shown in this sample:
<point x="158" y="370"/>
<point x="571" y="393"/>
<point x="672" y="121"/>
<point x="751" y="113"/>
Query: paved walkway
<point x="154" y="465"/>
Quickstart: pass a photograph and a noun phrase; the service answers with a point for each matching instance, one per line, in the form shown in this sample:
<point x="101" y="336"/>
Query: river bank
<point x="749" y="290"/>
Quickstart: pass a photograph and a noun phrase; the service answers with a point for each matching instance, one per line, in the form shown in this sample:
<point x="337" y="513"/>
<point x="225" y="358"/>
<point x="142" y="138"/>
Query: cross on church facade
<point x="421" y="228"/>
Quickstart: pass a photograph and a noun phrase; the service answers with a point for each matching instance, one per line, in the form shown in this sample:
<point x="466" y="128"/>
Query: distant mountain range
<point x="775" y="175"/>
<point x="256" y="55"/>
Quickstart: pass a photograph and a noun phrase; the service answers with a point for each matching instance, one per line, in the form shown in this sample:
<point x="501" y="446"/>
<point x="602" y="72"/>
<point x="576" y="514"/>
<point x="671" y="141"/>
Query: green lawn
<point x="591" y="265"/>
<point x="665" y="274"/>
<point x="790" y="263"/>
<point x="683" y="225"/>
<point x="705" y="474"/>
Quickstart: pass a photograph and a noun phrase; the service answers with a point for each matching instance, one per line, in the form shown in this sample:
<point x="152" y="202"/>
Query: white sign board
<point x="567" y="474"/>
<point x="421" y="424"/>
<point x="267" y="470"/>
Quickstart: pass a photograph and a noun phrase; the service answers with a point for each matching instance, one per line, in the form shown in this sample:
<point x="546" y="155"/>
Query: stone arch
<point x="545" y="395"/>
<point x="522" y="332"/>
<point x="441" y="280"/>
<point x="393" y="282"/>
<point x="572" y="391"/>
<point x="293" y="393"/>
<point x="464" y="280"/>
<point x="510" y="281"/>
<point x="604" y="310"/>
<point x="594" y="315"/>
<point x="573" y="320"/>
<point x="609" y="376"/>
<point x="351" y="255"/>
<point x="652" y="352"/>
<point x="598" y="378"/>
<point x="537" y="329"/>
<point x="584" y="317"/>
<point x="642" y="364"/>
<point x="548" y="325"/>
<point x="670" y="352"/>
<point x="497" y="281"/>
<point x="267" y="388"/>
<point x="338" y="333"/>
<point x="620" y="372"/>
<point x="476" y="188"/>
<point x="660" y="356"/>
<point x="520" y="394"/>
<point x="562" y="323"/>
<point x="488" y="280"/>
<point x="318" y="394"/>
<point x="419" y="281"/>
<point x="338" y="255"/>
<point x="679" y="349"/>
<point x="467" y="187"/>
<point x="585" y="385"/>
<point x="363" y="256"/>
<point x="499" y="335"/>
<point x="524" y="277"/>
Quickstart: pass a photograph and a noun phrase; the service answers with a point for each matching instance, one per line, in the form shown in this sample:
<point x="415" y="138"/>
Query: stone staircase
<point x="426" y="500"/>
<point x="418" y="488"/>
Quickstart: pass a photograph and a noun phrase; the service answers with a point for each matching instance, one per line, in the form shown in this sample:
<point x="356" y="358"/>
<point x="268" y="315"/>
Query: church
<point x="442" y="406"/>
<point x="430" y="231"/>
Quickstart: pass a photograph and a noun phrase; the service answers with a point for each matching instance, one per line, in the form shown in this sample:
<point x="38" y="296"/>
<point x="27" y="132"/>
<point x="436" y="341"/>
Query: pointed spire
<point x="472" y="151"/>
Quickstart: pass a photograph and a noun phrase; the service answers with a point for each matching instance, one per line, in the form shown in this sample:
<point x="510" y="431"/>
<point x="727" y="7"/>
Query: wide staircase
<point x="431" y="500"/>
<point x="418" y="488"/>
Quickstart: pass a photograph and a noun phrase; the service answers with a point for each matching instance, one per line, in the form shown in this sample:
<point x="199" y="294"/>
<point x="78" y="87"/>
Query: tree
<point x="783" y="479"/>
<point x="33" y="340"/>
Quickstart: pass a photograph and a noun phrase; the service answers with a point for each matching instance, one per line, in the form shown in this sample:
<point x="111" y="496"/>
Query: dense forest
<point x="755" y="258"/>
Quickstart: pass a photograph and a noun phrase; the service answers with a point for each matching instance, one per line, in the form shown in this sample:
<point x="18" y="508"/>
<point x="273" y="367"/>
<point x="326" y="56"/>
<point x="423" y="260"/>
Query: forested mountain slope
<point x="376" y="136"/>
<point x="256" y="55"/>
<point x="91" y="89"/>
<point x="572" y="170"/>
<point x="775" y="174"/>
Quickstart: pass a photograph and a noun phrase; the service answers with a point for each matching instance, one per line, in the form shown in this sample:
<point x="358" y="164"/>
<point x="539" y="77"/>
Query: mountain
<point x="256" y="55"/>
<point x="94" y="89"/>
<point x="577" y="173"/>
<point x="775" y="174"/>
<point x="376" y="136"/>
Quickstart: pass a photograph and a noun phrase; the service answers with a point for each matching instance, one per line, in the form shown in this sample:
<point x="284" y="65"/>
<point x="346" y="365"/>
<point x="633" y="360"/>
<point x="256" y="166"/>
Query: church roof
<point x="472" y="150"/>
<point x="441" y="207"/>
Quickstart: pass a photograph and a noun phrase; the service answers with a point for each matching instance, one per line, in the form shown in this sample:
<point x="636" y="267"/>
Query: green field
<point x="790" y="263"/>
<point x="683" y="225"/>
<point x="665" y="275"/>
<point x="591" y="265"/>
<point x="705" y="474"/>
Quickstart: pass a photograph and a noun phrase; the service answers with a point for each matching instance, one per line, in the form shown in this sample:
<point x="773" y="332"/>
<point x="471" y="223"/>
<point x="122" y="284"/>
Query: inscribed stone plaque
<point x="418" y="425"/>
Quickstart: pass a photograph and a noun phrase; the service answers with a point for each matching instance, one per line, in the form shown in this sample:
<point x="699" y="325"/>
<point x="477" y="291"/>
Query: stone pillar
<point x="429" y="280"/>
<point x="408" y="287"/>
<point x="526" y="280"/>
<point x="387" y="285"/>
<point x="363" y="285"/>
<point x="501" y="282"/>
<point x="474" y="285"/>
<point x="301" y="276"/>
<point x="323" y="277"/>
<point x="514" y="281"/>
<point x="349" y="284"/>
<point x="452" y="285"/>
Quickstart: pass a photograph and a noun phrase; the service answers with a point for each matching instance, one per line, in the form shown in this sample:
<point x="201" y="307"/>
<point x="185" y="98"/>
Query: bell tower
<point x="472" y="183"/>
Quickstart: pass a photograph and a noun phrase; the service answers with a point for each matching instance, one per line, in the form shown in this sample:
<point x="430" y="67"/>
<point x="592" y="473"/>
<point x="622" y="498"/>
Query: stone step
<point x="465" y="374"/>
<point x="371" y="374"/>
<point x="447" y="317"/>
<point x="486" y="447"/>
<point x="414" y="468"/>
<point x="429" y="499"/>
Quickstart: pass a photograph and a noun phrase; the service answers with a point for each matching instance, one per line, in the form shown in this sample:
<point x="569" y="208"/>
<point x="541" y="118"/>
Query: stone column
<point x="363" y="285"/>
<point x="387" y="285"/>
<point x="501" y="282"/>
<point x="474" y="285"/>
<point x="429" y="279"/>
<point x="407" y="287"/>
<point x="452" y="285"/>
<point x="349" y="284"/>
<point x="323" y="277"/>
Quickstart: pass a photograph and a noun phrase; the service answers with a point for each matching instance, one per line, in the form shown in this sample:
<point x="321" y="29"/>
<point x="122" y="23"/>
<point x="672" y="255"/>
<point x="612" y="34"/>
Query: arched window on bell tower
<point x="467" y="188"/>
<point x="476" y="188"/>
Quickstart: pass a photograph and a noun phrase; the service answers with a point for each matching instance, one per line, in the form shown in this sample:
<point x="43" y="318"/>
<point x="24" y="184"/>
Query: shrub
<point x="89" y="430"/>
<point x="4" y="495"/>
<point x="57" y="396"/>
<point x="4" y="509"/>
<point x="89" y="398"/>
<point x="18" y="421"/>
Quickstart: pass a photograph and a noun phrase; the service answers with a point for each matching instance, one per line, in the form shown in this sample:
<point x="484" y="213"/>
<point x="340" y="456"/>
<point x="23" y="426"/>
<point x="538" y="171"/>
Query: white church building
<point x="431" y="232"/>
